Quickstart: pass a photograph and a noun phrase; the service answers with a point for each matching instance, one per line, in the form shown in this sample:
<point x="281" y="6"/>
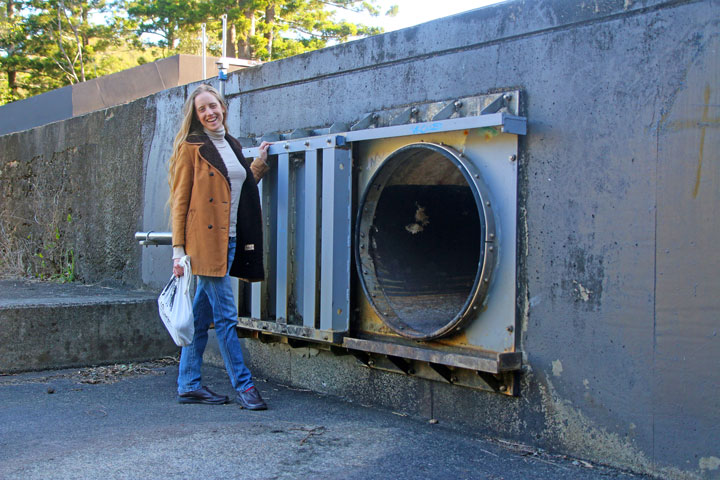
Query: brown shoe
<point x="251" y="400"/>
<point x="203" y="395"/>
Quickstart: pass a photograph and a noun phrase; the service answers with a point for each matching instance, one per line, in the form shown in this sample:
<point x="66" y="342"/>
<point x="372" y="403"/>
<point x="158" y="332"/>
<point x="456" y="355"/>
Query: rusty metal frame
<point x="490" y="362"/>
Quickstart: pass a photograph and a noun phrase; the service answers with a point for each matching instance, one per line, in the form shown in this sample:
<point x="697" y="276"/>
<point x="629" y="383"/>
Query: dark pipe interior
<point x="425" y="241"/>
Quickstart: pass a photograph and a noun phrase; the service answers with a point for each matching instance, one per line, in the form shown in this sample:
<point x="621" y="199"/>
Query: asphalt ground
<point x="123" y="422"/>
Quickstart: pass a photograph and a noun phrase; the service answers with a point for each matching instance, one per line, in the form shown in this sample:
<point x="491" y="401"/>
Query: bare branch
<point x="79" y="53"/>
<point x="62" y="50"/>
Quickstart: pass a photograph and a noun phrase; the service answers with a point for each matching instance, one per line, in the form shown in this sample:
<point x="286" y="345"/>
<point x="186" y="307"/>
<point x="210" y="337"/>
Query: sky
<point x="413" y="12"/>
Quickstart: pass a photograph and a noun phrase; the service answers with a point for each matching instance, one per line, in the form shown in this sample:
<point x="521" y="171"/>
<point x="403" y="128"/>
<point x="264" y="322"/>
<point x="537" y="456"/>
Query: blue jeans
<point x="214" y="303"/>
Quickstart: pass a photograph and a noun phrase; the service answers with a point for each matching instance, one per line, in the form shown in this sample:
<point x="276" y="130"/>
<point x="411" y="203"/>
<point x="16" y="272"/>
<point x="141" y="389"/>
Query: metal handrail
<point x="153" y="238"/>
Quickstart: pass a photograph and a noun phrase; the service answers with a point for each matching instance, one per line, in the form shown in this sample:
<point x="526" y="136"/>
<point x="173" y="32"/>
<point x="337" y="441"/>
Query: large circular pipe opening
<point x="424" y="241"/>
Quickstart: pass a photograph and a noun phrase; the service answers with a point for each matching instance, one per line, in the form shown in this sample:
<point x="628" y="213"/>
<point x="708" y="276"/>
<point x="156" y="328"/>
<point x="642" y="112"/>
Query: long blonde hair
<point x="190" y="124"/>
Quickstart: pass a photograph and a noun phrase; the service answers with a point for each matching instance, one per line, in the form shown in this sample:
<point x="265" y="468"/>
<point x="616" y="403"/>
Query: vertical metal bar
<point x="224" y="36"/>
<point x="310" y="286"/>
<point x="282" y="254"/>
<point x="203" y="39"/>
<point x="335" y="240"/>
<point x="258" y="290"/>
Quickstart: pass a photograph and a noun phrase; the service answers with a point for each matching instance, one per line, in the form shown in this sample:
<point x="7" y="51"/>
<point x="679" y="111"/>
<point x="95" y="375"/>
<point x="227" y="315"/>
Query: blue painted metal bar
<point x="258" y="289"/>
<point x="282" y="251"/>
<point x="335" y="239"/>
<point x="509" y="123"/>
<point x="310" y="279"/>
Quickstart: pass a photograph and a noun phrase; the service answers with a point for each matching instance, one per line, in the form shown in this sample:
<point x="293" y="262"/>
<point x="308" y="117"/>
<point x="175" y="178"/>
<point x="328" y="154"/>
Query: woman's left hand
<point x="263" y="148"/>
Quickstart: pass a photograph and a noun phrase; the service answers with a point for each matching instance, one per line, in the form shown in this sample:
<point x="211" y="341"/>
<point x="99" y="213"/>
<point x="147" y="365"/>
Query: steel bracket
<point x="503" y="101"/>
<point x="448" y="110"/>
<point x="366" y="121"/>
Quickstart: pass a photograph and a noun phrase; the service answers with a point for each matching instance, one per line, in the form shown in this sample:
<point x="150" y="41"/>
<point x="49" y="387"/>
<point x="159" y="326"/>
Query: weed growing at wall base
<point x="39" y="255"/>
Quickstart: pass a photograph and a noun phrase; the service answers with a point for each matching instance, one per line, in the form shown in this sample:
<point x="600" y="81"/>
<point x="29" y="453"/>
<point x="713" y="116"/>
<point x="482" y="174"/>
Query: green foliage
<point x="47" y="44"/>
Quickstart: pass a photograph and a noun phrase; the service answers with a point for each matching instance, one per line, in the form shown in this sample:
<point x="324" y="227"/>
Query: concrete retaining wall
<point x="618" y="186"/>
<point x="47" y="325"/>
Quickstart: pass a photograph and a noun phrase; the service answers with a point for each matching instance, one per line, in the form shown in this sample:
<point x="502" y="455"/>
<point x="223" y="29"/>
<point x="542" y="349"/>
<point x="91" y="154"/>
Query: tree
<point x="168" y="19"/>
<point x="257" y="29"/>
<point x="47" y="44"/>
<point x="12" y="40"/>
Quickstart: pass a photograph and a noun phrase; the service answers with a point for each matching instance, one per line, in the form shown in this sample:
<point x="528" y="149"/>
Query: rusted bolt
<point x="307" y="144"/>
<point x="503" y="388"/>
<point x="286" y="146"/>
<point x="329" y="141"/>
<point x="371" y="362"/>
<point x="507" y="97"/>
<point x="513" y="157"/>
<point x="325" y="337"/>
<point x="510" y="328"/>
<point x="411" y="371"/>
<point x="453" y="379"/>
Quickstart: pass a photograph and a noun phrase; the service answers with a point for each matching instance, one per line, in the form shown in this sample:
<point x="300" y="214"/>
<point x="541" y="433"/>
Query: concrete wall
<point x="618" y="184"/>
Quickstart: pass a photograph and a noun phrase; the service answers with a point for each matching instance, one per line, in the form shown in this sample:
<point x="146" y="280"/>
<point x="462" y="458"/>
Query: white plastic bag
<point x="175" y="306"/>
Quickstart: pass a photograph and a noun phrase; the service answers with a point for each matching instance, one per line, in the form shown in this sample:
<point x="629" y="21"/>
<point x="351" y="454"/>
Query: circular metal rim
<point x="365" y="266"/>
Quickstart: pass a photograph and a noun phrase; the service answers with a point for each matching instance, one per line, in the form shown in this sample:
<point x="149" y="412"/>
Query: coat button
<point x="210" y="226"/>
<point x="212" y="174"/>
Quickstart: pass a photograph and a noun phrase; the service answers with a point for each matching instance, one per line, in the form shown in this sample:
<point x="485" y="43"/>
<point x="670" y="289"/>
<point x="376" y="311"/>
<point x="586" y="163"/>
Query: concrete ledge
<point x="46" y="325"/>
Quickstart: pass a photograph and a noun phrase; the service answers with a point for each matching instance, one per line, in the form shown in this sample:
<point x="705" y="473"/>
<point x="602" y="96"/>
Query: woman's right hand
<point x="178" y="270"/>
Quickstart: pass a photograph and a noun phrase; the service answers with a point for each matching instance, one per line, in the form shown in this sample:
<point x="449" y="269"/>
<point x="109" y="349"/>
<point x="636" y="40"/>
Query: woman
<point x="216" y="220"/>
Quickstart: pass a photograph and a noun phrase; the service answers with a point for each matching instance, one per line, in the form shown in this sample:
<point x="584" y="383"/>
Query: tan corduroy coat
<point x="201" y="210"/>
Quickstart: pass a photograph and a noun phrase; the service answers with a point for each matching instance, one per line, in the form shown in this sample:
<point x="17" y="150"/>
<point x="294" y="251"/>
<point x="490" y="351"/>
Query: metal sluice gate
<point x="394" y="240"/>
